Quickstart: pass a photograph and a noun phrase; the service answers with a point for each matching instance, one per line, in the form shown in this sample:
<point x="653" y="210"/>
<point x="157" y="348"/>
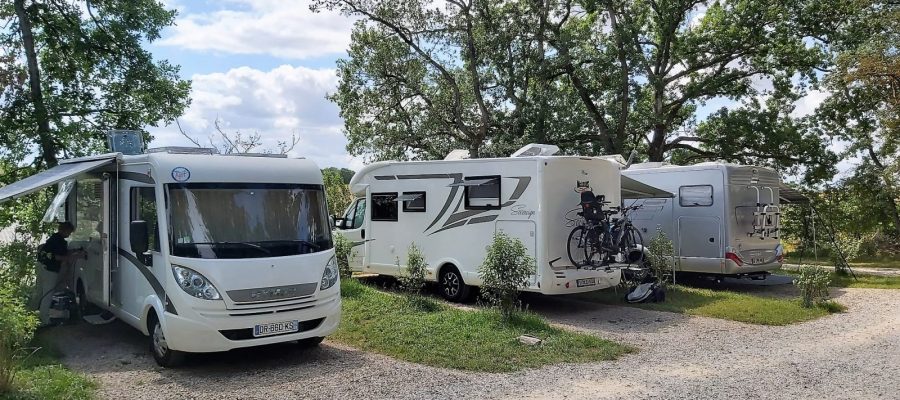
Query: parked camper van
<point x="724" y="220"/>
<point x="451" y="209"/>
<point x="201" y="252"/>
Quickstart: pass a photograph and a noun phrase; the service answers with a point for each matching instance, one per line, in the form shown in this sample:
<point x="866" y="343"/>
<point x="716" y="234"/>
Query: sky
<point x="266" y="66"/>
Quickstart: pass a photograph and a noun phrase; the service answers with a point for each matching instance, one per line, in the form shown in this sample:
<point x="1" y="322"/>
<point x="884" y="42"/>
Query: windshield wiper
<point x="248" y="244"/>
<point x="312" y="245"/>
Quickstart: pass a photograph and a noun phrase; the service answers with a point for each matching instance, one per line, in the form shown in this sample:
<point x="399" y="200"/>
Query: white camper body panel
<point x="712" y="215"/>
<point x="257" y="290"/>
<point x="535" y="199"/>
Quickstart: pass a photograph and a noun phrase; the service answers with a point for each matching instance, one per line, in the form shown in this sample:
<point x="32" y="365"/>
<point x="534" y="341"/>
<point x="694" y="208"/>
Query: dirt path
<point x="850" y="355"/>
<point x="858" y="270"/>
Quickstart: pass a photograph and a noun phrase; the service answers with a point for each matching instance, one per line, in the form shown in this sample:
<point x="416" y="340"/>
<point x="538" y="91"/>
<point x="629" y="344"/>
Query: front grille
<point x="247" y="333"/>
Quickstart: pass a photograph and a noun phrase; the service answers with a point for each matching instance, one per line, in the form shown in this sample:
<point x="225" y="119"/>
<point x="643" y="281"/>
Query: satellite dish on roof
<point x="534" y="149"/>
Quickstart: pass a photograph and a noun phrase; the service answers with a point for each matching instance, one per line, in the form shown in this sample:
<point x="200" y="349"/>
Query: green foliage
<point x="337" y="192"/>
<point x="661" y="255"/>
<point x="343" y="252"/>
<point x="592" y="77"/>
<point x="505" y="271"/>
<point x="18" y="264"/>
<point x="413" y="277"/>
<point x="845" y="249"/>
<point x="448" y="337"/>
<point x="17" y="327"/>
<point x="813" y="283"/>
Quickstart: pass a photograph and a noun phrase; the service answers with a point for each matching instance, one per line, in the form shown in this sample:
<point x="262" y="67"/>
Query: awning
<point x="632" y="189"/>
<point x="788" y="194"/>
<point x="53" y="176"/>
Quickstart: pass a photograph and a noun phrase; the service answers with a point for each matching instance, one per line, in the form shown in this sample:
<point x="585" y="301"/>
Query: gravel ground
<point x="858" y="270"/>
<point x="849" y="355"/>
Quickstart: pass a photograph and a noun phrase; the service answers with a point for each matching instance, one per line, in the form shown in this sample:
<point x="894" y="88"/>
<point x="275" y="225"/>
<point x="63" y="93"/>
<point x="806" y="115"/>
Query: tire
<point x="592" y="255"/>
<point x="309" y="343"/>
<point x="452" y="286"/>
<point x="632" y="239"/>
<point x="575" y="246"/>
<point x="164" y="356"/>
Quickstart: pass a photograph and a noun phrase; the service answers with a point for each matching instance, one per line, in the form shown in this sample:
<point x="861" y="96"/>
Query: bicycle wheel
<point x="575" y="246"/>
<point x="631" y="247"/>
<point x="594" y="254"/>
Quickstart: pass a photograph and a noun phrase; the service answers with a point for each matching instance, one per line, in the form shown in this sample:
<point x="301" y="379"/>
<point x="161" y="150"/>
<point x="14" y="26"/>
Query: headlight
<point x="195" y="284"/>
<point x="330" y="276"/>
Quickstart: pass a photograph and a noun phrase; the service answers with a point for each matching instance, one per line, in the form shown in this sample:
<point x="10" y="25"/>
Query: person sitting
<point x="57" y="265"/>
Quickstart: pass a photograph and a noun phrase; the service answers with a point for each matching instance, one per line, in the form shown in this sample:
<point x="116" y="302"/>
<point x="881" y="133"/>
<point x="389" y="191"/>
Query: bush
<point x="813" y="283"/>
<point x="413" y="277"/>
<point x="17" y="327"/>
<point x="660" y="255"/>
<point x="847" y="246"/>
<point x="343" y="252"/>
<point x="505" y="271"/>
<point x="18" y="263"/>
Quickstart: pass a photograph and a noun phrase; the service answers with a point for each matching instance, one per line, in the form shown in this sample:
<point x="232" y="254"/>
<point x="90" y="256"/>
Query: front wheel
<point x="163" y="355"/>
<point x="452" y="286"/>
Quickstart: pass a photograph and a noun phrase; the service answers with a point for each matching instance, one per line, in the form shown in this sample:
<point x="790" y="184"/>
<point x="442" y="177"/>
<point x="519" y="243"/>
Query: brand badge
<point x="181" y="174"/>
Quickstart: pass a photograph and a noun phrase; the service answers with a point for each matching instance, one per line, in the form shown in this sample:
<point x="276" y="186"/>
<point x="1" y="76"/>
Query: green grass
<point x="426" y="331"/>
<point x="862" y="280"/>
<point x="725" y="305"/>
<point x="862" y="263"/>
<point x="42" y="377"/>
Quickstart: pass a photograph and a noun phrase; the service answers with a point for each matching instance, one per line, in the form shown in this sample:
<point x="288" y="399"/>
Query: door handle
<point x="362" y="233"/>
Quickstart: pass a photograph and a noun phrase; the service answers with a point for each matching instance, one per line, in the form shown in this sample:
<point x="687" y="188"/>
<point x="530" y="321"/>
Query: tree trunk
<point x="45" y="138"/>
<point x="888" y="190"/>
<point x="657" y="150"/>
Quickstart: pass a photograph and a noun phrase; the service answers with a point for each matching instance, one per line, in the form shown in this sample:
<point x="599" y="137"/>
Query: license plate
<point x="275" y="328"/>
<point x="586" y="282"/>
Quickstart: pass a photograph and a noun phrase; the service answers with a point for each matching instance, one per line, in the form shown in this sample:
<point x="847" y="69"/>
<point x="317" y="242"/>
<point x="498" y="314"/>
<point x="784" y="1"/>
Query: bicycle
<point x="600" y="239"/>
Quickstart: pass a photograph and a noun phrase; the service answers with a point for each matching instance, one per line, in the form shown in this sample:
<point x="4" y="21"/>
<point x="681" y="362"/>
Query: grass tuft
<point x="42" y="377"/>
<point x="724" y="304"/>
<point x="423" y="330"/>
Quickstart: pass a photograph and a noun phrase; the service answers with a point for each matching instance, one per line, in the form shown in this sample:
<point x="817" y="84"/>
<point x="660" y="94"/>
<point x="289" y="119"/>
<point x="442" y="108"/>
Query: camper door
<point x="353" y="227"/>
<point x="92" y="209"/>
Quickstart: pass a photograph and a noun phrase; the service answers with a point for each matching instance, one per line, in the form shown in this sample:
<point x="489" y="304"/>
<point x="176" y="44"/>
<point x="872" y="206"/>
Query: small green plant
<point x="343" y="252"/>
<point x="813" y="283"/>
<point x="17" y="327"/>
<point x="413" y="277"/>
<point x="847" y="249"/>
<point x="505" y="271"/>
<point x="661" y="255"/>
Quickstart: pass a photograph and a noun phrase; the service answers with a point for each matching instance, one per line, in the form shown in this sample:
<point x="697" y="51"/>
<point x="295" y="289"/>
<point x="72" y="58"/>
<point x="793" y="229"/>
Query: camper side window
<point x="483" y="192"/>
<point x="143" y="208"/>
<point x="416" y="202"/>
<point x="695" y="196"/>
<point x="384" y="206"/>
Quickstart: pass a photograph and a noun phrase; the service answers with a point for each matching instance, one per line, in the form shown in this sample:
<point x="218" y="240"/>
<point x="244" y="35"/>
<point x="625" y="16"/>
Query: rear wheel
<point x="163" y="355"/>
<point x="575" y="247"/>
<point x="594" y="254"/>
<point x="452" y="286"/>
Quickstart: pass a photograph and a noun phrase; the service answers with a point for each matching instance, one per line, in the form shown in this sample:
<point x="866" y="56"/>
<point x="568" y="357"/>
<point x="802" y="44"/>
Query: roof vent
<point x="270" y="155"/>
<point x="457" y="155"/>
<point x="183" y="150"/>
<point x="127" y="142"/>
<point x="534" y="149"/>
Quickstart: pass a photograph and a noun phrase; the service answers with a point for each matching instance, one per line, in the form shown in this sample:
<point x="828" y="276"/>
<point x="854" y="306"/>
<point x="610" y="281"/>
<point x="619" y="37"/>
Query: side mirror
<point x="140" y="239"/>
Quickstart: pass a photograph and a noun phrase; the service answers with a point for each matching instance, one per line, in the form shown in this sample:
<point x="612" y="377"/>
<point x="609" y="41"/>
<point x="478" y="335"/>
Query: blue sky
<point x="266" y="66"/>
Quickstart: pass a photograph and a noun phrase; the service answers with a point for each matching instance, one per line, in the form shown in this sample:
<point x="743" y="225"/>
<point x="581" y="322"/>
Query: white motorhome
<point x="724" y="220"/>
<point x="451" y="209"/>
<point x="200" y="252"/>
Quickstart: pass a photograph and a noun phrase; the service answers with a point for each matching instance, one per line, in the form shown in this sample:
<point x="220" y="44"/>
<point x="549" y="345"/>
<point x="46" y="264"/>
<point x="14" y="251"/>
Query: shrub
<point x="17" y="327"/>
<point x="847" y="246"/>
<point x="505" y="271"/>
<point x="18" y="263"/>
<point x="413" y="277"/>
<point x="813" y="283"/>
<point x="661" y="255"/>
<point x="343" y="252"/>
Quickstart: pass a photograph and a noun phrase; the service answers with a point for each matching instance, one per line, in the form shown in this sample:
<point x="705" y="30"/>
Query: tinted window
<point x="417" y="204"/>
<point x="695" y="196"/>
<point x="143" y="208"/>
<point x="483" y="192"/>
<point x="384" y="206"/>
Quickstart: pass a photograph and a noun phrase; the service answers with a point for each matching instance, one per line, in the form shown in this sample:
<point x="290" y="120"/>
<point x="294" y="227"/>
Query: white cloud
<point x="806" y="105"/>
<point x="277" y="103"/>
<point x="285" y="29"/>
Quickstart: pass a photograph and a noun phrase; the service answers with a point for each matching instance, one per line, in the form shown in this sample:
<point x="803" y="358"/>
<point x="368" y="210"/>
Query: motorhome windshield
<point x="243" y="220"/>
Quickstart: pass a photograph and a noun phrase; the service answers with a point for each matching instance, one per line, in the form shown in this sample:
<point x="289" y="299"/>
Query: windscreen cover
<point x="52" y="176"/>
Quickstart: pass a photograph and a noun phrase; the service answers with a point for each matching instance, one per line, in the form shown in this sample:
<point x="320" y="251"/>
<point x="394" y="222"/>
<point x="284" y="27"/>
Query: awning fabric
<point x="791" y="195"/>
<point x="632" y="189"/>
<point x="52" y="176"/>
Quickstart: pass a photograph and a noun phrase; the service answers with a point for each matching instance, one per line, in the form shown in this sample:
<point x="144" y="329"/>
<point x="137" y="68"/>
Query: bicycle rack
<point x="767" y="217"/>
